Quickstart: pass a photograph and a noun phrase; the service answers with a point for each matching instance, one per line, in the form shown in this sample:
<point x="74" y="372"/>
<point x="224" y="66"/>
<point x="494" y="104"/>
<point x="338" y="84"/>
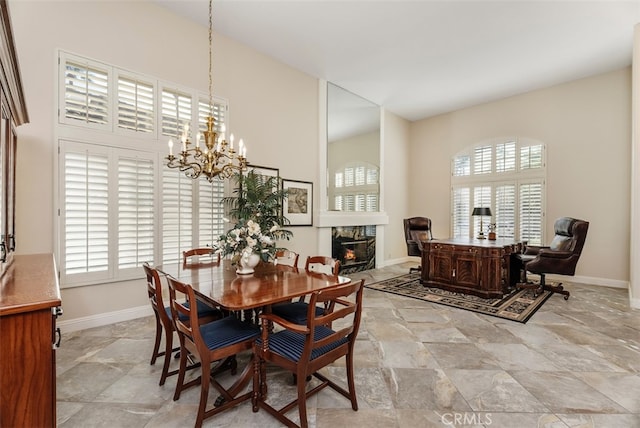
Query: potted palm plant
<point x="256" y="208"/>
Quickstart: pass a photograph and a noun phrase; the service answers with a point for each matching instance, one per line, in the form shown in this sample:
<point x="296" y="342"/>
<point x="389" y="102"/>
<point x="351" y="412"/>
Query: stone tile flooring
<point x="576" y="363"/>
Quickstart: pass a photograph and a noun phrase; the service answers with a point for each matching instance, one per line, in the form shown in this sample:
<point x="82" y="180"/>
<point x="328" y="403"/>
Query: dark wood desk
<point x="472" y="266"/>
<point x="219" y="284"/>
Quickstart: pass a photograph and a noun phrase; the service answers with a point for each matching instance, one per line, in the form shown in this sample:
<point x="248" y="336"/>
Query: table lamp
<point x="481" y="212"/>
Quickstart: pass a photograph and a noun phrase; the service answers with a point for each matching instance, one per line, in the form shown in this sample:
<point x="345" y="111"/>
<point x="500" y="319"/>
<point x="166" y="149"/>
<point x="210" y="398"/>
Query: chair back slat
<point x="185" y="315"/>
<point x="208" y="252"/>
<point x="287" y="257"/>
<point x="322" y="264"/>
<point x="154" y="291"/>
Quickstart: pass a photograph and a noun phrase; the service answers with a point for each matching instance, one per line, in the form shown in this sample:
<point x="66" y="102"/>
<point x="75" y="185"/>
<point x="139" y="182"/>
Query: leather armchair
<point x="416" y="229"/>
<point x="560" y="257"/>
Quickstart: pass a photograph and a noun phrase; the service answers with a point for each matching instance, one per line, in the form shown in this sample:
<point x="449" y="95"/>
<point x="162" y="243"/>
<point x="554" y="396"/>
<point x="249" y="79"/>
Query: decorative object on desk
<point x="518" y="305"/>
<point x="217" y="159"/>
<point x="481" y="212"/>
<point x="297" y="206"/>
<point x="492" y="232"/>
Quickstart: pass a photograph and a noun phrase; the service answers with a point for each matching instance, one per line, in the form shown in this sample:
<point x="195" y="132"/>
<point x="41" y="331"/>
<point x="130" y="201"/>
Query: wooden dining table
<point x="218" y="284"/>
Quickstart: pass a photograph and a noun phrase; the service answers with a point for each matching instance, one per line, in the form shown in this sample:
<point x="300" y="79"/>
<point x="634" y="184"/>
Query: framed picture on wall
<point x="298" y="205"/>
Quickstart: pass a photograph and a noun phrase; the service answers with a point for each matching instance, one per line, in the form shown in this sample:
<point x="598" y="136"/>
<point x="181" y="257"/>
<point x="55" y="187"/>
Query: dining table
<point x="218" y="284"/>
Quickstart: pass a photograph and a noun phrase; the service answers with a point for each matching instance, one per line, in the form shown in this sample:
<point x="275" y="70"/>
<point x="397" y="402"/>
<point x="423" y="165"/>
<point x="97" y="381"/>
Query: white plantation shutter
<point x="506" y="157"/>
<point x="513" y="189"/>
<point x="505" y="210"/>
<point x="219" y="113"/>
<point x="349" y="177"/>
<point x="136" y="102"/>
<point x="372" y="202"/>
<point x="372" y="177"/>
<point x="481" y="198"/>
<point x="338" y="203"/>
<point x="176" y="112"/>
<point x="339" y="179"/>
<point x="85" y="213"/>
<point x="86" y="87"/>
<point x="210" y="224"/>
<point x="177" y="214"/>
<point x="531" y="212"/>
<point x="461" y="212"/>
<point x="135" y="211"/>
<point x="360" y="176"/>
<point x="462" y="165"/>
<point x="482" y="160"/>
<point x="531" y="157"/>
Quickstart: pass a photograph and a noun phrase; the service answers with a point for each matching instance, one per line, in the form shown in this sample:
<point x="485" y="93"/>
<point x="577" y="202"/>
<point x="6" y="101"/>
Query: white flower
<point x="253" y="228"/>
<point x="251" y="242"/>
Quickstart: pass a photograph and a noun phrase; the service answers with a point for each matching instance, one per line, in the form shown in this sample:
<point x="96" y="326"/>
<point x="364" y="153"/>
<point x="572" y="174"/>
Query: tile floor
<point x="576" y="363"/>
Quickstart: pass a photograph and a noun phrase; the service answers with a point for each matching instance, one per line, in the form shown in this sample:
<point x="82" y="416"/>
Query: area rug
<point x="518" y="305"/>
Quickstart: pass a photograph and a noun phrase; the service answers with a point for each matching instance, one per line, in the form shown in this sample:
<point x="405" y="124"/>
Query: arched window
<point x="507" y="175"/>
<point x="355" y="187"/>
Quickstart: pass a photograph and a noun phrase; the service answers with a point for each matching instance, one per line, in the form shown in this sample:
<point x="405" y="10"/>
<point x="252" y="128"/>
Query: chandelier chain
<point x="210" y="57"/>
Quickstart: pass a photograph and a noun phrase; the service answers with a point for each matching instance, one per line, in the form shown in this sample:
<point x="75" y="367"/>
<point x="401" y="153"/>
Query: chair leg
<point x="204" y="392"/>
<point x="302" y="401"/>
<point x="156" y="346"/>
<point x="351" y="382"/>
<point x="167" y="355"/>
<point x="181" y="372"/>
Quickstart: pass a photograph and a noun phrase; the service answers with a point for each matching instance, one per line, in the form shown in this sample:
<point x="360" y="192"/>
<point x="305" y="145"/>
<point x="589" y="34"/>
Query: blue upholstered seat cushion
<point x="204" y="310"/>
<point x="227" y="331"/>
<point x="295" y="312"/>
<point x="291" y="344"/>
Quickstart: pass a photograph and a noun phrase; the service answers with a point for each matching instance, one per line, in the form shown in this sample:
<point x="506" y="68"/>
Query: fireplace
<point x="354" y="247"/>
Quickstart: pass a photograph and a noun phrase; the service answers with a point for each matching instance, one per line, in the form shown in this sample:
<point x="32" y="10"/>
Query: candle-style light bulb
<point x="231" y="141"/>
<point x="170" y="147"/>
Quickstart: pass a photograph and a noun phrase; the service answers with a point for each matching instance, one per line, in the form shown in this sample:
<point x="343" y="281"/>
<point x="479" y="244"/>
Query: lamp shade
<point x="481" y="211"/>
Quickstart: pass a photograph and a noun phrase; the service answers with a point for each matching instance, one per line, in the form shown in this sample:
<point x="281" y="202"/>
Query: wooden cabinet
<point x="29" y="304"/>
<point x="470" y="266"/>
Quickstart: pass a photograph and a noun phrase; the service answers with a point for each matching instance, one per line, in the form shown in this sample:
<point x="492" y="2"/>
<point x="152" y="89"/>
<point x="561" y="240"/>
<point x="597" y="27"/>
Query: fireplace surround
<point x="354" y="247"/>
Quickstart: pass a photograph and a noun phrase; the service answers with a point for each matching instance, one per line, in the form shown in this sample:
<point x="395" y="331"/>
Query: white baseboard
<point x="98" y="320"/>
<point x="590" y="280"/>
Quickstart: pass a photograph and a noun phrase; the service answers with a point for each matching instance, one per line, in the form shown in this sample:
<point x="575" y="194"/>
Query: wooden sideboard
<point x="29" y="304"/>
<point x="472" y="266"/>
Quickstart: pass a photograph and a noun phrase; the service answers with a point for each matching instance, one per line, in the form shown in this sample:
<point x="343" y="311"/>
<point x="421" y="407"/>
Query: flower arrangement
<point x="248" y="237"/>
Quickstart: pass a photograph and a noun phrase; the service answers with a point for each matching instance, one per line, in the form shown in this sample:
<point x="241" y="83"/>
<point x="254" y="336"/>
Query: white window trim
<point x="494" y="179"/>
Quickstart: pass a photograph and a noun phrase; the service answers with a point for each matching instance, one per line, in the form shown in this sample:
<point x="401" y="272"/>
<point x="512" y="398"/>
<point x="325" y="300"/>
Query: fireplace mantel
<point x="350" y="218"/>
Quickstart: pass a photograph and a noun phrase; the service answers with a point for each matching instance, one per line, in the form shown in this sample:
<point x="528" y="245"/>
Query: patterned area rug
<point x="519" y="305"/>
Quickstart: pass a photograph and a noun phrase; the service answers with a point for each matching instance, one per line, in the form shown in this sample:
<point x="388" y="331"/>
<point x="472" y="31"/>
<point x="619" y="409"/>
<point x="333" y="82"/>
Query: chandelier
<point x="217" y="159"/>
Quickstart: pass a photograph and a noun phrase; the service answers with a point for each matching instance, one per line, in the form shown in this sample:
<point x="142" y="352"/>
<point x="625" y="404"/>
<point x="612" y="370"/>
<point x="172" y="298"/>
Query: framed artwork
<point x="298" y="205"/>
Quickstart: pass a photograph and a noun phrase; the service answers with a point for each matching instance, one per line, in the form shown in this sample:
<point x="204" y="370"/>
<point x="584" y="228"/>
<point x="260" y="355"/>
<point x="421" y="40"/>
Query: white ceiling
<point x="422" y="58"/>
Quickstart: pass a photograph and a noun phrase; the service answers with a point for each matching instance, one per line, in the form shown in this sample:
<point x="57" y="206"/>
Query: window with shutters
<point x="119" y="205"/>
<point x="509" y="177"/>
<point x="355" y="187"/>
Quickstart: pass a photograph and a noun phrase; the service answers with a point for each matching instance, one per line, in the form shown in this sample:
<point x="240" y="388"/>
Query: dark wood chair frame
<point x="305" y="365"/>
<point x="192" y="343"/>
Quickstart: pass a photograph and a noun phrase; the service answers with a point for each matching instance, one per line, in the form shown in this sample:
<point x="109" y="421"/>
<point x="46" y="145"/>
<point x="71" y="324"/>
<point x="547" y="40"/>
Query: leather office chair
<point x="560" y="257"/>
<point x="416" y="229"/>
<point x="306" y="349"/>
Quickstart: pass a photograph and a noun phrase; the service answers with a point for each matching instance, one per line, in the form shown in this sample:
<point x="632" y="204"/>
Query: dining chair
<point x="216" y="341"/>
<point x="306" y="349"/>
<point x="203" y="254"/>
<point x="296" y="312"/>
<point x="287" y="257"/>
<point x="164" y="320"/>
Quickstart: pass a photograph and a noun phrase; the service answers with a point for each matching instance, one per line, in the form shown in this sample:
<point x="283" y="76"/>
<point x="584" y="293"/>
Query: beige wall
<point x="272" y="106"/>
<point x="586" y="126"/>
